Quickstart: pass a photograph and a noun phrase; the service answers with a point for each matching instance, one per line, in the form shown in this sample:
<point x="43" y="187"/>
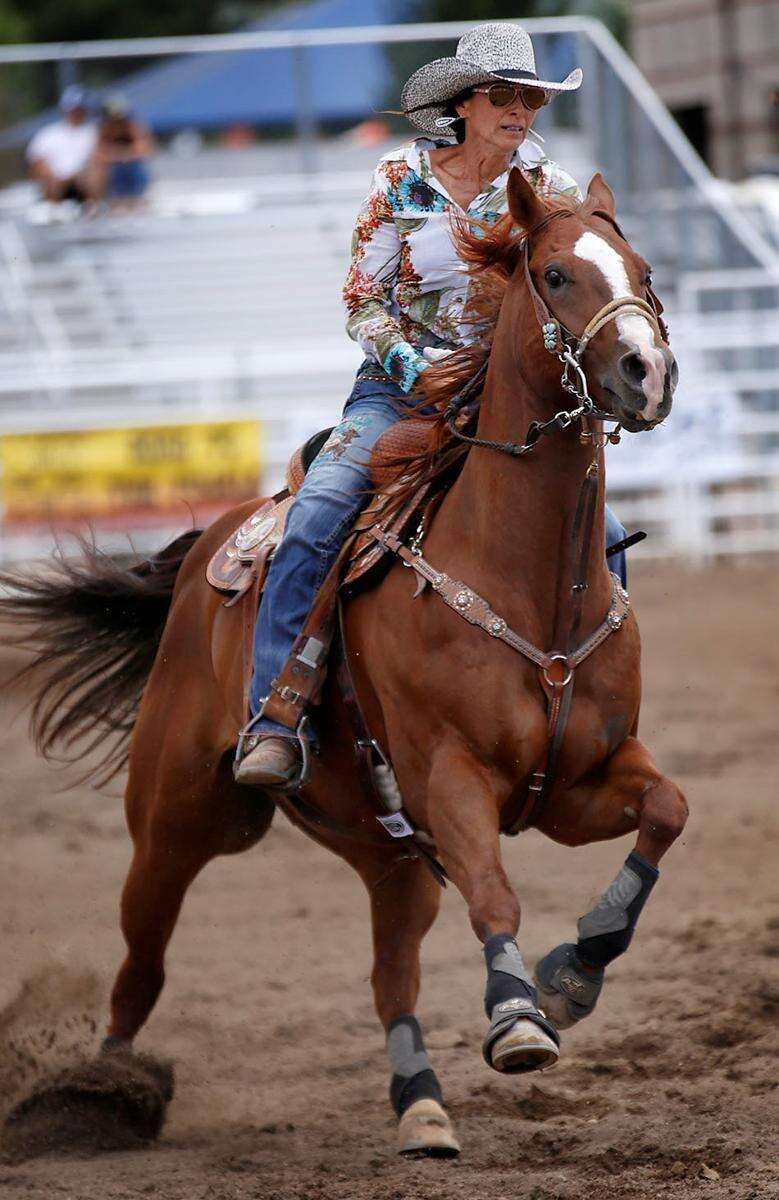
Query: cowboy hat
<point x="495" y="51"/>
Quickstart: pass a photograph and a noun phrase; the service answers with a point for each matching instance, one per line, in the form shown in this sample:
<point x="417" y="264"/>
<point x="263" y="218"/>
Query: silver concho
<point x="463" y="600"/>
<point x="515" y="1005"/>
<point x="497" y="626"/>
<point x="614" y="619"/>
<point x="254" y="531"/>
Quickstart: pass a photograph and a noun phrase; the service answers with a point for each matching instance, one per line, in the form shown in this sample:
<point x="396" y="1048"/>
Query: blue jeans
<point x="335" y="489"/>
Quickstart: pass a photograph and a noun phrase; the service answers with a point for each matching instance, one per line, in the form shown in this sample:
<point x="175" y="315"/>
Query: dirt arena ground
<point x="668" y="1090"/>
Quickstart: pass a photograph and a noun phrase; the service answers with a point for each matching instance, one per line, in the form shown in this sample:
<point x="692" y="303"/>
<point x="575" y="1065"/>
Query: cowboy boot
<point x="275" y="762"/>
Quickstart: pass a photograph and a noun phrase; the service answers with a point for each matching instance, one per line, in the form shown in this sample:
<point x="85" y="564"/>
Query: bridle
<point x="570" y="351"/>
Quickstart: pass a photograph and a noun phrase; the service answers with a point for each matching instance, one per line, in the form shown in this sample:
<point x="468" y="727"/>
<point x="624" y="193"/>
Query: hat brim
<point x="429" y="90"/>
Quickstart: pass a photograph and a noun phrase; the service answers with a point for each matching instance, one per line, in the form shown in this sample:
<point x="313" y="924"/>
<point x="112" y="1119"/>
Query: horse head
<point x="597" y="291"/>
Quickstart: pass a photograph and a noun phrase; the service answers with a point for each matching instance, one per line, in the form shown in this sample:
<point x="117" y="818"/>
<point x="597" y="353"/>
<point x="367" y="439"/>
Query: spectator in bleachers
<point x="124" y="145"/>
<point x="62" y="155"/>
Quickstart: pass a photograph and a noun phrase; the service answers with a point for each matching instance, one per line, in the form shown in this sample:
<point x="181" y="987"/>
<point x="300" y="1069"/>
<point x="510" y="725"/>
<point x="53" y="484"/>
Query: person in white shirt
<point x="62" y="155"/>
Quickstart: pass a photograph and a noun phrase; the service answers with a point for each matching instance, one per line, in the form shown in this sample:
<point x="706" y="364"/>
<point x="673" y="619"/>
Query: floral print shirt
<point x="407" y="287"/>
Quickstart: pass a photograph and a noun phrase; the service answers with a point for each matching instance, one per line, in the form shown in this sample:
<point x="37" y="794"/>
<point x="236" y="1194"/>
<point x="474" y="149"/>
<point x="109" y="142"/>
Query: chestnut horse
<point x="459" y="714"/>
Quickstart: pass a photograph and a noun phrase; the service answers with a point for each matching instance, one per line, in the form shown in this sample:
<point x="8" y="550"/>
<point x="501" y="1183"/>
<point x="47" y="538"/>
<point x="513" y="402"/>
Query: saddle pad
<point x="233" y="566"/>
<point x="248" y="551"/>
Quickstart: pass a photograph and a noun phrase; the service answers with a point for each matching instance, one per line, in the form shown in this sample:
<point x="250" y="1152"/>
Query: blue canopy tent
<point x="267" y="87"/>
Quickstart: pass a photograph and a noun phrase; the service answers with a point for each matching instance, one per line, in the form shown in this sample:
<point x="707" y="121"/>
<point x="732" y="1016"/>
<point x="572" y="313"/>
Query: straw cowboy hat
<point x="491" y="52"/>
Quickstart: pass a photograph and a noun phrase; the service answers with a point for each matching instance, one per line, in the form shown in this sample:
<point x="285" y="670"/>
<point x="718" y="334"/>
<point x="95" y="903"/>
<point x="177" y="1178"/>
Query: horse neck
<point x="515" y="517"/>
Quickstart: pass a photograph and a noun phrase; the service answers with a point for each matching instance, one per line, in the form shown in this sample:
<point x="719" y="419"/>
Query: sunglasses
<point x="500" y="95"/>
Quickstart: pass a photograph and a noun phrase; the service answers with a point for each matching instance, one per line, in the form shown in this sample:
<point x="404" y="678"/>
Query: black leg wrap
<point x="422" y="1086"/>
<point x="507" y="977"/>
<point x="510" y="992"/>
<point x="605" y="932"/>
<point x="413" y="1075"/>
<point x="566" y="990"/>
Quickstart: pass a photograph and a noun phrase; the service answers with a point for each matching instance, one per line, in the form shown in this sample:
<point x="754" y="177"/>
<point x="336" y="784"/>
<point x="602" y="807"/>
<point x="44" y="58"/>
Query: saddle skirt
<point x="245" y="556"/>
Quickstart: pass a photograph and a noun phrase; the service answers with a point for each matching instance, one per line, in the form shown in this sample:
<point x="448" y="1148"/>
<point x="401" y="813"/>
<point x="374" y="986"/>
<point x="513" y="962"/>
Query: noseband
<point x="569" y="349"/>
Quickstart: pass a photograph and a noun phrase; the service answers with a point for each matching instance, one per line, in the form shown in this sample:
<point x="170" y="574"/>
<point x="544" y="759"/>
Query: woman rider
<point x="404" y="295"/>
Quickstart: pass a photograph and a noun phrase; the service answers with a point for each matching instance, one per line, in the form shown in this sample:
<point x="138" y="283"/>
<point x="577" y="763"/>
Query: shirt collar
<point x="528" y="156"/>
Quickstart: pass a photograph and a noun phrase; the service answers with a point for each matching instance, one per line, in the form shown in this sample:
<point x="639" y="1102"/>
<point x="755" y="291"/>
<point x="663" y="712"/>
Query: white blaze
<point x="632" y="327"/>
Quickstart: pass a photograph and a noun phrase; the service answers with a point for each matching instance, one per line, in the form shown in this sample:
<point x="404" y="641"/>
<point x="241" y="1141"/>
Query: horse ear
<point x="525" y="206"/>
<point x="601" y="193"/>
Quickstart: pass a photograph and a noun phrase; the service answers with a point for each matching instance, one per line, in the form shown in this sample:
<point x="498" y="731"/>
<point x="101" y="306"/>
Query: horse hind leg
<point x="187" y="825"/>
<point x="404" y="904"/>
<point x="118" y="1100"/>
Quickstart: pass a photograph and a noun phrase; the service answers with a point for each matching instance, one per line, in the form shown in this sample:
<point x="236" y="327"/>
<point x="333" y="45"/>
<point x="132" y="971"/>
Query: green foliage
<point x="53" y="21"/>
<point x="26" y="88"/>
<point x="84" y="20"/>
<point x="14" y="24"/>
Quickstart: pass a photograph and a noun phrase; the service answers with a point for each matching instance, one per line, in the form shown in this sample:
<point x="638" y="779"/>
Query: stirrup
<point x="248" y="741"/>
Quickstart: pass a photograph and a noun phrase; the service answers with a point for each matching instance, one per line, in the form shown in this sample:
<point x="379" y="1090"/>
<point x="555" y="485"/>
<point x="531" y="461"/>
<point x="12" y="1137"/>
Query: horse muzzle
<point x="641" y="392"/>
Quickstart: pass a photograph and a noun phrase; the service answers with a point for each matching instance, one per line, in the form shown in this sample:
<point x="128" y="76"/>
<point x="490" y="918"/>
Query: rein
<point x="569" y="349"/>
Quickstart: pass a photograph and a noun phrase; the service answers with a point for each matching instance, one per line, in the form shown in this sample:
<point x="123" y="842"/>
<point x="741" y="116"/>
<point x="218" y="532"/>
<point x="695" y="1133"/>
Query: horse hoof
<point x="556" y="1007"/>
<point x="566" y="992"/>
<point x="524" y="1047"/>
<point x="425" y="1131"/>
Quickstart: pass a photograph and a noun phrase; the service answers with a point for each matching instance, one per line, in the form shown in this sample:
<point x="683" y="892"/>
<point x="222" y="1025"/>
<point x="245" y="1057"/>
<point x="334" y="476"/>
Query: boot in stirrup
<point x="272" y="760"/>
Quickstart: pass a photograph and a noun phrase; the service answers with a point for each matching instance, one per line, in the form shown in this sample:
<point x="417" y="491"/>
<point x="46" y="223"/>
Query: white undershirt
<point x="66" y="149"/>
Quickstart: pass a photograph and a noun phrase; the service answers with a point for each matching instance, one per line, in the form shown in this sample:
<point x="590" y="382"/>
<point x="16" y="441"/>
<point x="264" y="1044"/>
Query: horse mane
<point x="491" y="253"/>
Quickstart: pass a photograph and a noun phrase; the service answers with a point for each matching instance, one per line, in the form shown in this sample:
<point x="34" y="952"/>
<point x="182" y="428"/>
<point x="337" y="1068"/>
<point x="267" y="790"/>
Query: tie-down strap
<point x="476" y="610"/>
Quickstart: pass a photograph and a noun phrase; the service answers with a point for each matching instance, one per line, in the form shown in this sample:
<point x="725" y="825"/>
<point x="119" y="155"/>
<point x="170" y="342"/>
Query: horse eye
<point x="648" y="280"/>
<point x="554" y="278"/>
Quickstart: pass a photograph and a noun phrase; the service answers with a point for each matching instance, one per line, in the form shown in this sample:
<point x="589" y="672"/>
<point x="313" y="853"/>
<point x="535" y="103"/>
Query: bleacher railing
<point x="223" y="299"/>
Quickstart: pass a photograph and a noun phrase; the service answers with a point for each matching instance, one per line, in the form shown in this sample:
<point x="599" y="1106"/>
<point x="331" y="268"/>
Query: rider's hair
<point x="458" y="128"/>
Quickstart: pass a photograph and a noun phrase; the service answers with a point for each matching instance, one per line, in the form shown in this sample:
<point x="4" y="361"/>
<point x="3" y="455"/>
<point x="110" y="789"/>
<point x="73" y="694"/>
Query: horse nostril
<point x="632" y="369"/>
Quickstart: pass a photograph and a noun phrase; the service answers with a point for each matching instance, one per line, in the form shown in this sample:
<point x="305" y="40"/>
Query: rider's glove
<point x="435" y="354"/>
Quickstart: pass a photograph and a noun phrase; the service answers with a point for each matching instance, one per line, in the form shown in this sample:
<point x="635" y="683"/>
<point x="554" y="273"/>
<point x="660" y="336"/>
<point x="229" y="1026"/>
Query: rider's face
<point x="499" y="128"/>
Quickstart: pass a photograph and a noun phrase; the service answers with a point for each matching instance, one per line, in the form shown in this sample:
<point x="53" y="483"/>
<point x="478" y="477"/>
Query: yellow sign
<point x="99" y="472"/>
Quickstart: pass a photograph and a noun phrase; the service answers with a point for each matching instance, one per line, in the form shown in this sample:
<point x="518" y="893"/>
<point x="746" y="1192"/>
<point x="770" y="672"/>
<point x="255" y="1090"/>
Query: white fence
<point x="706" y="483"/>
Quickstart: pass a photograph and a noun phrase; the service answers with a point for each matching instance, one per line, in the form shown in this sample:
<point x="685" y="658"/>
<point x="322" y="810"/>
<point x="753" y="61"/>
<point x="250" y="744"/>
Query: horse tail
<point x="93" y="627"/>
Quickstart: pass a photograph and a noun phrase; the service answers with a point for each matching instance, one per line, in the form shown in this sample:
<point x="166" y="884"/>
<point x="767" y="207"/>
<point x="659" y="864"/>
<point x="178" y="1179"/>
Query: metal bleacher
<point x="223" y="297"/>
<point x="222" y="301"/>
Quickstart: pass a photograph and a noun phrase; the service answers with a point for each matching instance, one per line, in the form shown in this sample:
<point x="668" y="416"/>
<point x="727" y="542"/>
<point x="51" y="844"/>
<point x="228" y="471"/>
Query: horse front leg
<point x="463" y="812"/>
<point x="631" y="792"/>
<point x="404" y="903"/>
